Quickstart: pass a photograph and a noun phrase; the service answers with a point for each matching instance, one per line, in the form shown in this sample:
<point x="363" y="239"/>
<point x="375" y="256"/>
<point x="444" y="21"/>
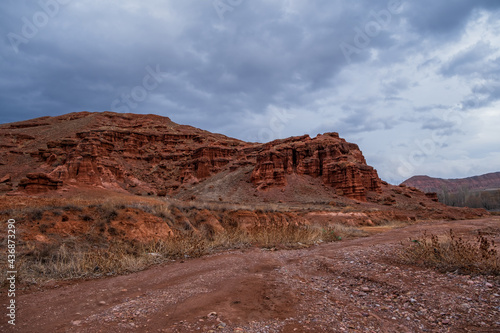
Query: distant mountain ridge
<point x="475" y="183"/>
<point x="475" y="192"/>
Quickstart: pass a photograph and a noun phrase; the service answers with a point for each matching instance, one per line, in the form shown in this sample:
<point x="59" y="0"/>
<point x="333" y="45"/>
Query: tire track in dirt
<point x="347" y="286"/>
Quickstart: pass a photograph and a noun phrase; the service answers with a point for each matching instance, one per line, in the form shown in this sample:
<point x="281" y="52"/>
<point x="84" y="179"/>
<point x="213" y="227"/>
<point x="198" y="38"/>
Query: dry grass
<point x="449" y="253"/>
<point x="290" y="236"/>
<point x="61" y="262"/>
<point x="72" y="258"/>
<point x="93" y="254"/>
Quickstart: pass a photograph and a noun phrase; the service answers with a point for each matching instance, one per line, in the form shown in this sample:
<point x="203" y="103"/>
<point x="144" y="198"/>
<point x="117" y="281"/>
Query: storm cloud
<point x="415" y="83"/>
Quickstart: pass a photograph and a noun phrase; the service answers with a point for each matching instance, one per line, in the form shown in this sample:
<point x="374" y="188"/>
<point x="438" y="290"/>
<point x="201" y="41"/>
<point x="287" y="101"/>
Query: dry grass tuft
<point x="450" y="253"/>
<point x="102" y="251"/>
<point x="290" y="236"/>
<point x="75" y="258"/>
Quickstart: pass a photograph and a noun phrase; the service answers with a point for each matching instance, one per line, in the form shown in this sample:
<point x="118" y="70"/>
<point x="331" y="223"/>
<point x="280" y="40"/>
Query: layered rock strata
<point x="152" y="154"/>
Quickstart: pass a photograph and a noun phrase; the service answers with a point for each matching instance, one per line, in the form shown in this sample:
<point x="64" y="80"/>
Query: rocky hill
<point x="475" y="192"/>
<point x="89" y="161"/>
<point x="430" y="184"/>
<point x="92" y="195"/>
<point x="151" y="154"/>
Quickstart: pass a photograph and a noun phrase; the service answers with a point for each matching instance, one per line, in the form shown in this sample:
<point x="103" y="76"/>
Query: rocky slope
<point x="430" y="184"/>
<point x="151" y="154"/>
<point x="141" y="177"/>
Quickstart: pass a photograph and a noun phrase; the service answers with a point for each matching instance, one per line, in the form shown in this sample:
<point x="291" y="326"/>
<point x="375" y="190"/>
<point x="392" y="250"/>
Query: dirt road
<point x="347" y="286"/>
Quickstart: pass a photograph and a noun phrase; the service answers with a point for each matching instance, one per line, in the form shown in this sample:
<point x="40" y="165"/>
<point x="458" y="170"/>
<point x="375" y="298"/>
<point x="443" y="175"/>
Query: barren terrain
<point x="135" y="223"/>
<point x="348" y="286"/>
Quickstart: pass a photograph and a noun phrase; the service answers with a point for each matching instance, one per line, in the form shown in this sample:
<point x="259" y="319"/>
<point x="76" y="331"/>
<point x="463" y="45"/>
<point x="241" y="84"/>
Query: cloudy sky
<point x="416" y="84"/>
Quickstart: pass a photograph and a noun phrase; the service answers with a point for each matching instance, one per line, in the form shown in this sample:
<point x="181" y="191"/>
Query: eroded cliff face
<point x="123" y="152"/>
<point x="90" y="166"/>
<point x="338" y="163"/>
<point x="151" y="154"/>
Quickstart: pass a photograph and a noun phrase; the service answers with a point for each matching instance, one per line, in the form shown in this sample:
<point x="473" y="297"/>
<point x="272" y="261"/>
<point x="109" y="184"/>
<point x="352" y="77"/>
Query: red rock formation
<point x="151" y="154"/>
<point x="432" y="195"/>
<point x="338" y="163"/>
<point x="5" y="179"/>
<point x="5" y="183"/>
<point x="39" y="182"/>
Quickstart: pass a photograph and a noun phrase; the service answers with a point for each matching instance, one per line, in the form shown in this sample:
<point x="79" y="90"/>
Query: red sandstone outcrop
<point x="338" y="163"/>
<point x="39" y="182"/>
<point x="135" y="153"/>
<point x="5" y="179"/>
<point x="5" y="183"/>
<point x="150" y="154"/>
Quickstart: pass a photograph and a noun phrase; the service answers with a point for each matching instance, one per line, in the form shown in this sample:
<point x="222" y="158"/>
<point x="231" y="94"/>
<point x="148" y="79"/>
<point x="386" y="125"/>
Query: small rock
<point x="102" y="303"/>
<point x="212" y="314"/>
<point x="76" y="322"/>
<point x="221" y="325"/>
<point x="488" y="285"/>
<point x="446" y="322"/>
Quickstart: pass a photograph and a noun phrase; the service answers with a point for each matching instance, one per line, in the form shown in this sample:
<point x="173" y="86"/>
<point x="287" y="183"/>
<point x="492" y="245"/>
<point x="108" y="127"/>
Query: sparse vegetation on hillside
<point x="71" y="260"/>
<point x="487" y="199"/>
<point x="450" y="253"/>
<point x="100" y="253"/>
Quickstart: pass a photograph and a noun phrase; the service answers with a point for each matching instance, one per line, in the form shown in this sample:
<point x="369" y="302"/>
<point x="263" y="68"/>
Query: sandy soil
<point x="347" y="286"/>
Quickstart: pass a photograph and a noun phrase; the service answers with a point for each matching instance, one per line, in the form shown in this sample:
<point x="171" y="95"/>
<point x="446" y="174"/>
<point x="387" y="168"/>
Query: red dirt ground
<point x="348" y="286"/>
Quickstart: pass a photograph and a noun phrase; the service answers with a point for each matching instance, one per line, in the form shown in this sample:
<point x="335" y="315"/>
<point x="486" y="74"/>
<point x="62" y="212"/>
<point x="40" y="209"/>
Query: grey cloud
<point x="85" y="50"/>
<point x="431" y="107"/>
<point x="354" y="120"/>
<point x="437" y="123"/>
<point x="484" y="94"/>
<point x="442" y="19"/>
<point x="469" y="62"/>
<point x="393" y="87"/>
<point x="281" y="54"/>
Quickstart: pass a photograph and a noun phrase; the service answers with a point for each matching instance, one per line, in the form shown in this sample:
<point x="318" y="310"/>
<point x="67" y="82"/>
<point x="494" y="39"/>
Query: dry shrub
<point x="296" y="236"/>
<point x="450" y="253"/>
<point x="231" y="238"/>
<point x="91" y="256"/>
<point x="341" y="231"/>
<point x="285" y="236"/>
<point x="44" y="262"/>
<point x="182" y="245"/>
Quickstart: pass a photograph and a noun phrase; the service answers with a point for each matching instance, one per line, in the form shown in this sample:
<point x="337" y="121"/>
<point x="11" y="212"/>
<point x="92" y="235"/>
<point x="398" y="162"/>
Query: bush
<point x="286" y="236"/>
<point x="450" y="253"/>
